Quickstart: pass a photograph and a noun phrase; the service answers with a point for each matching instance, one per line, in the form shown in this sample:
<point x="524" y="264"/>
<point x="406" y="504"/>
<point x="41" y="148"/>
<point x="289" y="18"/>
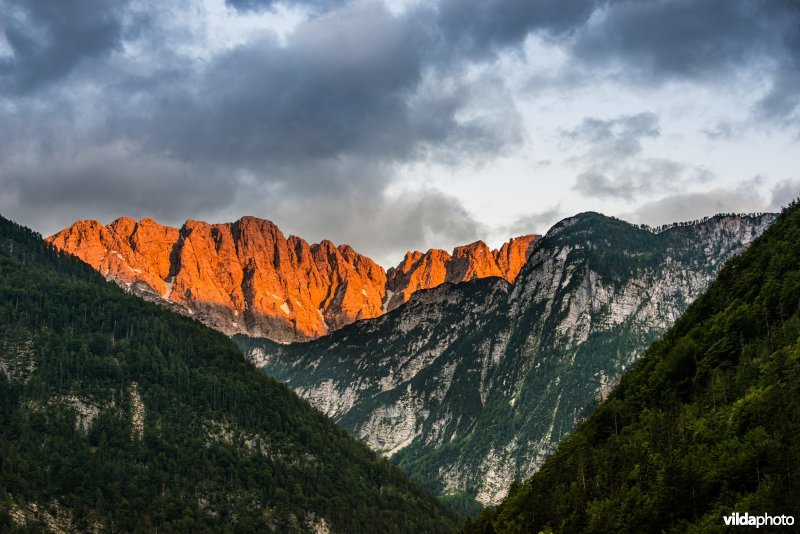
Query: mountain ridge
<point x="470" y="386"/>
<point x="247" y="277"/>
<point x="702" y="427"/>
<point x="119" y="415"/>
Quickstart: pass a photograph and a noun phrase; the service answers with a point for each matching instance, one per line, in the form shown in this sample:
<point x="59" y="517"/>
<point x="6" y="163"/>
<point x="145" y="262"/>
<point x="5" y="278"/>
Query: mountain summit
<point x="436" y="267"/>
<point x="120" y="416"/>
<point x="470" y="387"/>
<point x="247" y="277"/>
<point x="702" y="428"/>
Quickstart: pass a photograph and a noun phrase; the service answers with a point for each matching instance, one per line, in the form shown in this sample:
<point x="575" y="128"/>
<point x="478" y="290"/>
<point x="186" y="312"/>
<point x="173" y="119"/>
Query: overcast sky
<point x="397" y="124"/>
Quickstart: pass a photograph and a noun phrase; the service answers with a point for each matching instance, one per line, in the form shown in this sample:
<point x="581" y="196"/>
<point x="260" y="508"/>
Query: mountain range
<point x="468" y="387"/>
<point x="702" y="432"/>
<point x="117" y="415"/>
<point x="529" y="366"/>
<point x="466" y="369"/>
<point x="247" y="277"/>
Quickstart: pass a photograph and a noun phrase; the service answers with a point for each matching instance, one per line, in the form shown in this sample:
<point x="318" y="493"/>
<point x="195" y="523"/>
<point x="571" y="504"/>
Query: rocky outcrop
<point x="435" y="267"/>
<point x="471" y="386"/>
<point x="247" y="277"/>
<point x="241" y="277"/>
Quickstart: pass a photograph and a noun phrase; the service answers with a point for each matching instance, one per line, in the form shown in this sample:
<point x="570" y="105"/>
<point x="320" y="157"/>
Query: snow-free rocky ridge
<point x="470" y="386"/>
<point x="247" y="277"/>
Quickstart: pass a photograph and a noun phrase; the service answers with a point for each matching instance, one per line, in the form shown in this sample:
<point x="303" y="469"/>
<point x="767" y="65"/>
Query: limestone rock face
<point x="513" y="255"/>
<point x="240" y="277"/>
<point x="247" y="277"/>
<point x="435" y="267"/>
<point x="500" y="372"/>
<point x="128" y="251"/>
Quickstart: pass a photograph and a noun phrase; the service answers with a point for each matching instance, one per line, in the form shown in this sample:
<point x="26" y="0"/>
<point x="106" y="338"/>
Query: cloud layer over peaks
<point x="311" y="113"/>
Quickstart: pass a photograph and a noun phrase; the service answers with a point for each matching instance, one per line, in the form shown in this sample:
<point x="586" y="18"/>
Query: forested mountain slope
<point x="471" y="386"/>
<point x="706" y="424"/>
<point x="117" y="415"/>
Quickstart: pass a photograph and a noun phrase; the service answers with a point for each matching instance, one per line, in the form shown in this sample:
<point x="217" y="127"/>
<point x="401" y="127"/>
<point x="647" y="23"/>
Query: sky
<point x="396" y="125"/>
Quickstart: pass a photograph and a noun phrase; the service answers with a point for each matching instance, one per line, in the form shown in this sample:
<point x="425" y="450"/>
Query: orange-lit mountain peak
<point x="247" y="277"/>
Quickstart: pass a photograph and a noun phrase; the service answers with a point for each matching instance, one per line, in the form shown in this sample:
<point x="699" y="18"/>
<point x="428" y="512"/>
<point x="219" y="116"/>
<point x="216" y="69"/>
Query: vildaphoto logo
<point x="746" y="520"/>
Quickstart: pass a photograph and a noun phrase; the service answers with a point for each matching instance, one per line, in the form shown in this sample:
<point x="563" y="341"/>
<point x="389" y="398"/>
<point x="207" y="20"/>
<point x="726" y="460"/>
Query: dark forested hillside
<point x="118" y="415"/>
<point x="706" y="424"/>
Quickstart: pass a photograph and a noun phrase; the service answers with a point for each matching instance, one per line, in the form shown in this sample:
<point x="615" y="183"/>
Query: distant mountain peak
<point x="248" y="277"/>
<point x="498" y="373"/>
<point x="420" y="270"/>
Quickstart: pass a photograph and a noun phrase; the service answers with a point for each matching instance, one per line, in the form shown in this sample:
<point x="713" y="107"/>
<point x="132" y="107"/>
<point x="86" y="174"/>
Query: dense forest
<point x="118" y="415"/>
<point x="706" y="424"/>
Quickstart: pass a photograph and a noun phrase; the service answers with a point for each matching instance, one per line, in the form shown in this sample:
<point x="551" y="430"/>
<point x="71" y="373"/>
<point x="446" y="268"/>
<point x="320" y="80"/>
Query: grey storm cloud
<point x="784" y="192"/>
<point x="536" y="222"/>
<point x="325" y="94"/>
<point x="633" y="179"/>
<point x="353" y="82"/>
<point x="105" y="109"/>
<point x="475" y="28"/>
<point x="660" y="41"/>
<point x="262" y="5"/>
<point x="50" y="39"/>
<point x="346" y="84"/>
<point x="620" y="137"/>
<point x="679" y="38"/>
<point x="482" y="28"/>
<point x="782" y="102"/>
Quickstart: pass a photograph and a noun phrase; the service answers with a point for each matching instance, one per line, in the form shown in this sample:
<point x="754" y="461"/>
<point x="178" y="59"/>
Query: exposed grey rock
<point x="471" y="386"/>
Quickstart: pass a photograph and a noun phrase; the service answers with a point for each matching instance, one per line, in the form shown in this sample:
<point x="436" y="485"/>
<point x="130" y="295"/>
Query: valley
<point x="471" y="386"/>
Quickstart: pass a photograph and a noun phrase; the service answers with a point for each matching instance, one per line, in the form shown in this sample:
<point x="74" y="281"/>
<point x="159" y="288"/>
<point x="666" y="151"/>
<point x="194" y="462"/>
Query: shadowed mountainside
<point x="704" y="425"/>
<point x="470" y="386"/>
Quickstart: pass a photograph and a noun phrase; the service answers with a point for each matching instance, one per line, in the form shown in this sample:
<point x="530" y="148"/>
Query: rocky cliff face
<point x="425" y="271"/>
<point x="469" y="387"/>
<point x="244" y="276"/>
<point x="117" y="415"/>
<point x="247" y="277"/>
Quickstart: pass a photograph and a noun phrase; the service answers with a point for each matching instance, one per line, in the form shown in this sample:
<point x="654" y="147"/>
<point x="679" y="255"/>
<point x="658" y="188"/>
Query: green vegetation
<point x="706" y="423"/>
<point x="118" y="415"/>
<point x="462" y="503"/>
<point x="505" y="373"/>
